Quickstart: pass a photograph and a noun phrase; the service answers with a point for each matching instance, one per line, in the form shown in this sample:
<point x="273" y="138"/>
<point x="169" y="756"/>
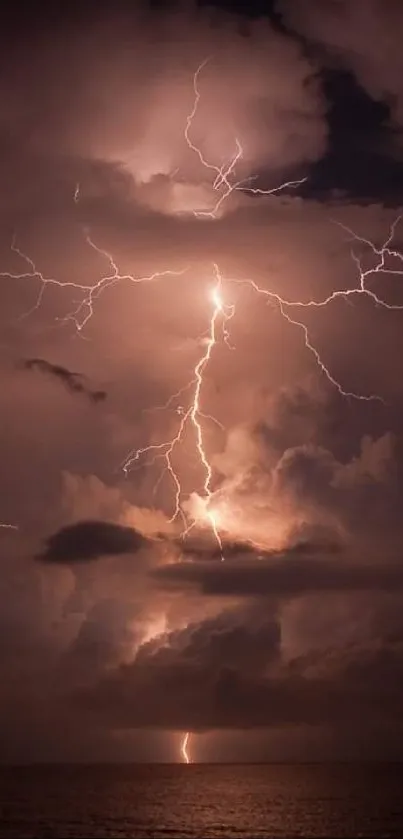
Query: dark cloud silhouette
<point x="90" y="540"/>
<point x="203" y="546"/>
<point x="286" y="576"/>
<point x="355" y="36"/>
<point x="74" y="382"/>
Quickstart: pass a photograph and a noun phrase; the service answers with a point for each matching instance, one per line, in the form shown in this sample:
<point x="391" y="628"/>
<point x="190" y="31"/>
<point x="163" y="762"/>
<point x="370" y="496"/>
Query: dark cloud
<point x="229" y="673"/>
<point x="285" y="577"/>
<point x="199" y="666"/>
<point x="74" y="382"/>
<point x="364" y="37"/>
<point x="204" y="546"/>
<point x="90" y="540"/>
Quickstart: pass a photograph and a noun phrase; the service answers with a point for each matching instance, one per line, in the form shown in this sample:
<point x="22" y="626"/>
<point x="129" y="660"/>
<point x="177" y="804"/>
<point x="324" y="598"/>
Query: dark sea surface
<point x="202" y="800"/>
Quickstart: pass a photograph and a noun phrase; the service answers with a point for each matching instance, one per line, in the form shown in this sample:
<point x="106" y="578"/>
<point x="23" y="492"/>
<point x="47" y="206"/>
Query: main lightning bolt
<point x="193" y="415"/>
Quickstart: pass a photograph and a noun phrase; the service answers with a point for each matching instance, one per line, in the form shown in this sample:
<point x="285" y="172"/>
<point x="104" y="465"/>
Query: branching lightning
<point x="361" y="289"/>
<point x="222" y="179"/>
<point x="192" y="417"/>
<point x="89" y="293"/>
<point x="223" y="173"/>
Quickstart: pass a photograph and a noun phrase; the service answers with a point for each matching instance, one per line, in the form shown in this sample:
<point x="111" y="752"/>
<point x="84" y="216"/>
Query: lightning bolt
<point x="222" y="180"/>
<point x="184" y="748"/>
<point x="89" y="293"/>
<point x="224" y="174"/>
<point x="193" y="415"/>
<point x="361" y="289"/>
<point x="7" y="526"/>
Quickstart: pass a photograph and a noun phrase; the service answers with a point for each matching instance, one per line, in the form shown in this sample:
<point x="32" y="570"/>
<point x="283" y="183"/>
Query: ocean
<point x="277" y="800"/>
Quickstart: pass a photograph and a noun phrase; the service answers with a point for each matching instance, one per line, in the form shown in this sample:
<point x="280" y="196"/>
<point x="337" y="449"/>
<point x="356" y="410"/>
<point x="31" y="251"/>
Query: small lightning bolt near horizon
<point x="184" y="748"/>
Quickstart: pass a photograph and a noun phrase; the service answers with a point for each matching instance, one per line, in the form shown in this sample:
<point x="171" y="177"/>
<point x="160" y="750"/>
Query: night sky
<point x="201" y="395"/>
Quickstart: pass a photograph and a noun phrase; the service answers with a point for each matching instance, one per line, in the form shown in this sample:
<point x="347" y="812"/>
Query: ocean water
<point x="202" y="801"/>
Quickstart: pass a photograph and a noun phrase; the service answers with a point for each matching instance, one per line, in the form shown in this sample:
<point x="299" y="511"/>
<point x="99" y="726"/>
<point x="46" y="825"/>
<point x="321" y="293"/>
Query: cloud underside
<point x="285" y="577"/>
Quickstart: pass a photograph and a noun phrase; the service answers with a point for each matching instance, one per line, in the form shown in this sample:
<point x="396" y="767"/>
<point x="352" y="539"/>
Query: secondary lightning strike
<point x="184" y="745"/>
<point x="223" y="173"/>
<point x="193" y="416"/>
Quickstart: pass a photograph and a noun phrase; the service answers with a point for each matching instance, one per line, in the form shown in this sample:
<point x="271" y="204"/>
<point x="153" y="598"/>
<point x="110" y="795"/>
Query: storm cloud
<point x="120" y="623"/>
<point x="231" y="675"/>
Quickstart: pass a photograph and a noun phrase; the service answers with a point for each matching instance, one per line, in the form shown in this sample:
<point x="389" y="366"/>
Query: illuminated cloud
<point x="129" y="91"/>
